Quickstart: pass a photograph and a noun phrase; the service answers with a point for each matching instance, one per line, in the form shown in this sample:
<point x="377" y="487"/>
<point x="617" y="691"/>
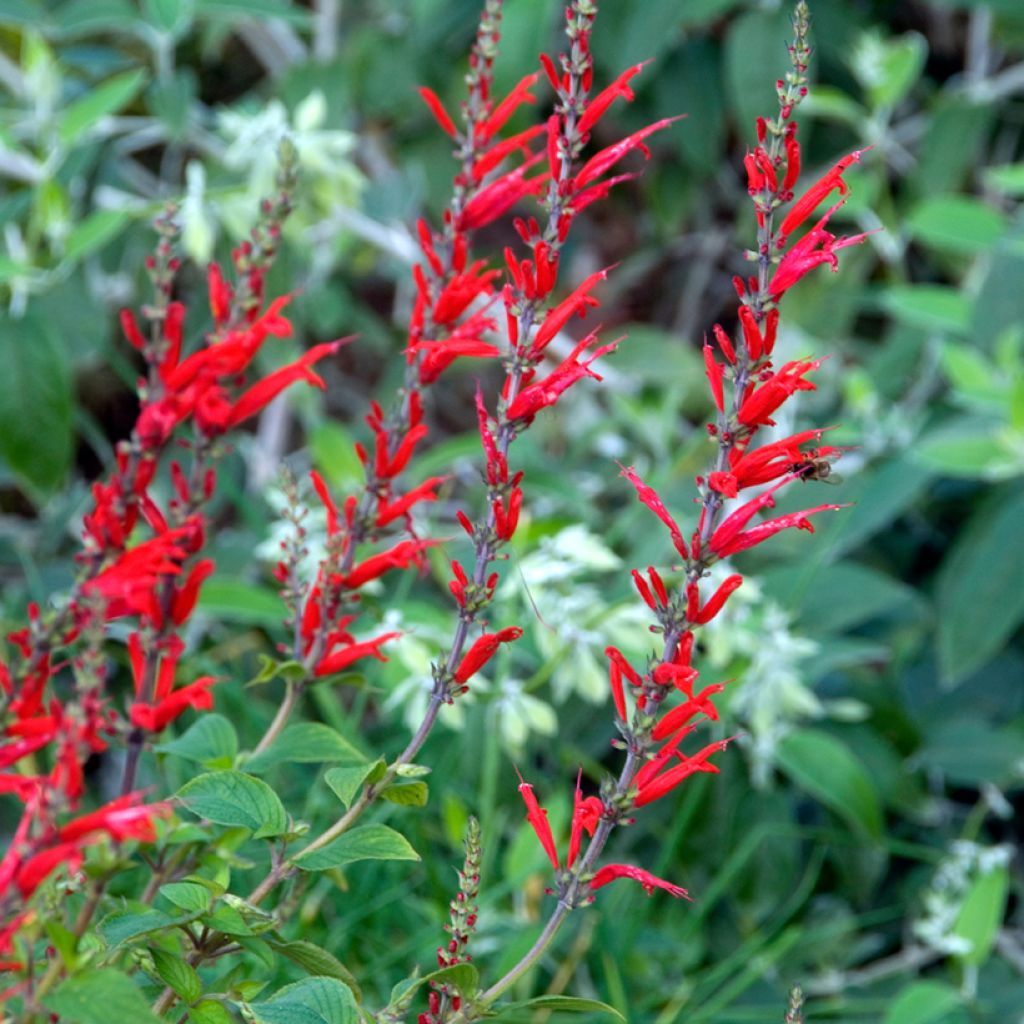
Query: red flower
<point x="650" y="882"/>
<point x="437" y="109"/>
<point x="825" y="185"/>
<point x="816" y="247"/>
<point x="700" y="616"/>
<point x="339" y="660"/>
<point x="543" y="393"/>
<point x="759" y="404"/>
<point x="537" y="816"/>
<point x="650" y="498"/>
<point x="596" y="107"/>
<point x="607" y="158"/>
<point x="401" y="556"/>
<point x="731" y="536"/>
<point x="483" y="649"/>
<point x="519" y="95"/>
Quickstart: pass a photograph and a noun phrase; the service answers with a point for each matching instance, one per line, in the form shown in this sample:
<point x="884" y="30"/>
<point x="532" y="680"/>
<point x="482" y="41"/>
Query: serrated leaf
<point x="311" y="1001"/>
<point x="981" y="914"/>
<point x="406" y="794"/>
<point x="177" y="973"/>
<point x="107" y="98"/>
<point x="99" y="996"/>
<point x="346" y="782"/>
<point x="316" y="961"/>
<point x="35" y="401"/>
<point x="828" y="770"/>
<point x="123" y="925"/>
<point x="210" y="741"/>
<point x="305" y="743"/>
<point x="980" y="597"/>
<point x="369" y="842"/>
<point x="190" y="896"/>
<point x="228" y="920"/>
<point x="234" y="798"/>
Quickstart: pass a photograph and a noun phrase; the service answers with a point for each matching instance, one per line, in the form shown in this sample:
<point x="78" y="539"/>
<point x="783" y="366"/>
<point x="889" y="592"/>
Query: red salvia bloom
<point x="610" y="872"/>
<point x="651" y="499"/>
<point x="484" y="648"/>
<point x="537" y="816"/>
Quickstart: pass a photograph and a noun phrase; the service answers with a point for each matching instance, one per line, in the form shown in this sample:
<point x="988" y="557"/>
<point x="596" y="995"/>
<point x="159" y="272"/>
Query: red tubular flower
<point x="389" y="510"/>
<point x="122" y="819"/>
<point x="575" y="304"/>
<point x="518" y="143"/>
<point x="597" y="106"/>
<point x="401" y="556"/>
<point x="724" y="343"/>
<point x="537" y="816"/>
<point x="328" y="502"/>
<point x="608" y="157"/>
<point x="650" y="498"/>
<point x="338" y="661"/>
<point x="659" y="785"/>
<point x="792" y="162"/>
<point x="543" y="393"/>
<point x="501" y="195"/>
<point x="156" y="717"/>
<point x="824" y="186"/>
<point x="484" y="648"/>
<point x="650" y="882"/>
<point x="519" y="95"/>
<point x="701" y="616"/>
<point x="680" y="716"/>
<point x="220" y="295"/>
<point x="266" y="390"/>
<point x="437" y="109"/>
<point x="576" y="829"/>
<point x="751" y="333"/>
<point x="731" y="536"/>
<point x="714" y="373"/>
<point x="187" y="594"/>
<point x="758" y="406"/>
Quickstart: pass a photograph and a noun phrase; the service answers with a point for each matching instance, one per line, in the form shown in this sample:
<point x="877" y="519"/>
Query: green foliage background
<point x="860" y="837"/>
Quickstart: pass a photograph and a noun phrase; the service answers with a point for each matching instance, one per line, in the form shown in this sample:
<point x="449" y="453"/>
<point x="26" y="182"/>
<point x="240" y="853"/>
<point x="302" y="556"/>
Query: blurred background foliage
<point x="860" y="838"/>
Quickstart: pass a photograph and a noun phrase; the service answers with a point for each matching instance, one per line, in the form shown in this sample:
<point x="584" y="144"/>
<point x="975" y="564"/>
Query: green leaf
<point x="311" y="1001"/>
<point x="35" y="401"/>
<point x="237" y="601"/>
<point x="931" y="307"/>
<point x="233" y="798"/>
<point x="369" y="842"/>
<point x="210" y="1011"/>
<point x="316" y="961"/>
<point x="407" y="794"/>
<point x="94" y="232"/>
<point x="955" y="223"/>
<point x="210" y="741"/>
<point x="981" y="915"/>
<point x="99" y="996"/>
<point x="1008" y="179"/>
<point x="125" y="924"/>
<point x="968" y="751"/>
<point x="464" y="977"/>
<point x="980" y="600"/>
<point x="923" y="1002"/>
<point x="190" y="896"/>
<point x="412" y="771"/>
<point x="305" y="743"/>
<point x="105" y="99"/>
<point x="178" y="973"/>
<point x="969" y="448"/>
<point x="346" y="782"/>
<point x="560" y="1004"/>
<point x="828" y="770"/>
<point x="888" y="68"/>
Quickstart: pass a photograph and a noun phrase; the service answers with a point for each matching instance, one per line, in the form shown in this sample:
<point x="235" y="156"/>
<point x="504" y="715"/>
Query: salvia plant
<point x="224" y="860"/>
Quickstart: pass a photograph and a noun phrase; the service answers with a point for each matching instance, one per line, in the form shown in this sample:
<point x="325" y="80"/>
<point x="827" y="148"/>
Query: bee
<point x="817" y="465"/>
